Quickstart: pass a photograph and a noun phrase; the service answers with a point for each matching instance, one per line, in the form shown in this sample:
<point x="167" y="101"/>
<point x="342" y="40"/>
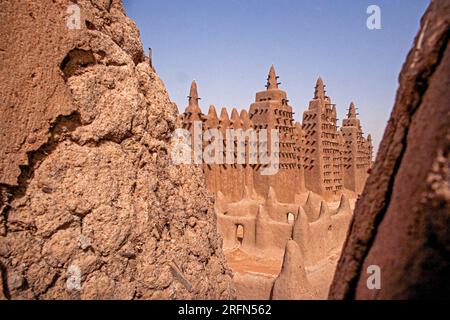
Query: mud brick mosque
<point x="315" y="156"/>
<point x="321" y="169"/>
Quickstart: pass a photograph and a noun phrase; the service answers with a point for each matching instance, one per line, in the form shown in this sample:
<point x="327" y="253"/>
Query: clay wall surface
<point x="91" y="205"/>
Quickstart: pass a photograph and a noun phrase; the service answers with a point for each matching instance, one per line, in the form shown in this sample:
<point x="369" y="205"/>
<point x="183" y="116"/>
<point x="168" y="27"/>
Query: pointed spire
<point x="351" y="111"/>
<point x="235" y="119"/>
<point x="300" y="231"/>
<point x="244" y="115"/>
<point x="245" y="119"/>
<point x="272" y="80"/>
<point x="193" y="94"/>
<point x="292" y="282"/>
<point x="193" y="99"/>
<point x="323" y="210"/>
<point x="212" y="121"/>
<point x="224" y="118"/>
<point x="212" y="113"/>
<point x="344" y="205"/>
<point x="312" y="207"/>
<point x="320" y="89"/>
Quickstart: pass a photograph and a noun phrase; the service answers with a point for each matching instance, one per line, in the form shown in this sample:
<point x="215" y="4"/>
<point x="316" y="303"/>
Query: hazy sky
<point x="227" y="46"/>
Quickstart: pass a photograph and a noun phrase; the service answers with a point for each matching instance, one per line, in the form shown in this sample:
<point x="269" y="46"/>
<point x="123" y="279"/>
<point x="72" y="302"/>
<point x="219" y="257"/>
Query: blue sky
<point x="227" y="46"/>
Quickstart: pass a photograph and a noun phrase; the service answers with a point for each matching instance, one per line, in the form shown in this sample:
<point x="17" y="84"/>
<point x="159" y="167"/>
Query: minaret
<point x="357" y="156"/>
<point x="322" y="162"/>
<point x="272" y="79"/>
<point x="271" y="112"/>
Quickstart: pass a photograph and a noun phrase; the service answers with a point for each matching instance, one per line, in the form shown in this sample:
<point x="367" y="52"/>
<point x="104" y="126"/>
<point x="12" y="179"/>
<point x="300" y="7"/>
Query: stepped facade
<point x="313" y="156"/>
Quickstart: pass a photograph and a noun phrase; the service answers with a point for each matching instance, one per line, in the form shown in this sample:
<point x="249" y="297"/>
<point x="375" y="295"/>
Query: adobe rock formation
<point x="91" y="206"/>
<point x="402" y="221"/>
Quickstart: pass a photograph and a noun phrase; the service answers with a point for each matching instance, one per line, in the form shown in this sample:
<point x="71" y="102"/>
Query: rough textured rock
<point x="87" y="184"/>
<point x="402" y="220"/>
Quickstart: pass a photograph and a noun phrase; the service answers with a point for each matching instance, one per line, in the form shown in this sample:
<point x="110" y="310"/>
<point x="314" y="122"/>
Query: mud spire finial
<point x="320" y="89"/>
<point x="193" y="94"/>
<point x="324" y="211"/>
<point x="224" y="119"/>
<point x="212" y="115"/>
<point x="245" y="120"/>
<point x="234" y="115"/>
<point x="344" y="205"/>
<point x="224" y="114"/>
<point x="272" y="79"/>
<point x="212" y="111"/>
<point x="351" y="111"/>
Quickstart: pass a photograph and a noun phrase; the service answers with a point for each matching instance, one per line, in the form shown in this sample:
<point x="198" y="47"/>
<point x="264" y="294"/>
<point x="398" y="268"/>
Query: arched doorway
<point x="240" y="233"/>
